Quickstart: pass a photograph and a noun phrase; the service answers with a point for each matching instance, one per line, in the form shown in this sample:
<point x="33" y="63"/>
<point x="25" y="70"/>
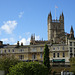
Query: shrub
<point x="7" y="62"/>
<point x="28" y="68"/>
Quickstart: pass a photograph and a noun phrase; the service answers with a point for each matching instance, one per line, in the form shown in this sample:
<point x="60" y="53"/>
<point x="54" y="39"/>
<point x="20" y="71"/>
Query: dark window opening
<point x="70" y="43"/>
<point x="70" y="49"/>
<point x="63" y="54"/>
<point x="57" y="54"/>
<point x="54" y="55"/>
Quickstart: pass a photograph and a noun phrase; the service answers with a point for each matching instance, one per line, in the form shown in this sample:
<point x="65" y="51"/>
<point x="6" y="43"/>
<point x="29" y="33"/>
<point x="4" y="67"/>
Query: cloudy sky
<point x="21" y="18"/>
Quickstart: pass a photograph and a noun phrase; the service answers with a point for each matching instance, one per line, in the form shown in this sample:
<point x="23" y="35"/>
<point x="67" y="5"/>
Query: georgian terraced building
<point x="61" y="45"/>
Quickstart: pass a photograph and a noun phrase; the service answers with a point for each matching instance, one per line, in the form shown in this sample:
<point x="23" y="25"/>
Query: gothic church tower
<point x="56" y="29"/>
<point x="72" y="33"/>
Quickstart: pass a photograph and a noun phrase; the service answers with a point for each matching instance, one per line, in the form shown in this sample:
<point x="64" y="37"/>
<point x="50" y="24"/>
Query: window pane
<point x="54" y="55"/>
<point x="13" y="50"/>
<point x="33" y="56"/>
<point x="74" y="55"/>
<point x="70" y="43"/>
<point x="63" y="54"/>
<point x="63" y="47"/>
<point x="21" y="57"/>
<point x="53" y="48"/>
<point x="70" y="49"/>
<point x="58" y="48"/>
<point x="57" y="54"/>
<point x="41" y="49"/>
<point x="9" y="50"/>
<point x="5" y="51"/>
<point x="41" y="55"/>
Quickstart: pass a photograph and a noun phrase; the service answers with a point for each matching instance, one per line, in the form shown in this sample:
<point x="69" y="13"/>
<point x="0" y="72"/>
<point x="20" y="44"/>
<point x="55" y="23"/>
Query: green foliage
<point x="7" y="62"/>
<point x="72" y="63"/>
<point x="28" y="68"/>
<point x="46" y="57"/>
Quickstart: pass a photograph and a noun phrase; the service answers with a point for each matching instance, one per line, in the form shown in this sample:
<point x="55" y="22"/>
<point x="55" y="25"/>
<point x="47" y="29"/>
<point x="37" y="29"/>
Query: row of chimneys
<point x="1" y="43"/>
<point x="18" y="43"/>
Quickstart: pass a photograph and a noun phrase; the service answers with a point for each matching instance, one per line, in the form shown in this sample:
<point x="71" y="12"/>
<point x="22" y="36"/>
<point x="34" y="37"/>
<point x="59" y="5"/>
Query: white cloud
<point x="25" y="41"/>
<point x="37" y="37"/>
<point x="4" y="39"/>
<point x="8" y="40"/>
<point x="9" y="26"/>
<point x="21" y="14"/>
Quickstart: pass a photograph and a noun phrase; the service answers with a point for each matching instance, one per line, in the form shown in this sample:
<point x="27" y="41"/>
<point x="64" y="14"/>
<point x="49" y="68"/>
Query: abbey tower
<point x="56" y="29"/>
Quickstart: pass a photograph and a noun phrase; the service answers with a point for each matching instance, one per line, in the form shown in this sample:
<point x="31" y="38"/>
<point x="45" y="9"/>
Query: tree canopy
<point x="46" y="61"/>
<point x="7" y="62"/>
<point x="28" y="68"/>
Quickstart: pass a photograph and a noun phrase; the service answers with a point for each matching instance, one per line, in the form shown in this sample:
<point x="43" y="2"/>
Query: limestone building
<point x="61" y="45"/>
<point x="56" y="29"/>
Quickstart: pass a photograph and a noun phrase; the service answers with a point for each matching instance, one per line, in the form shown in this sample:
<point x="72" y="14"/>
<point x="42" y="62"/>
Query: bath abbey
<point x="61" y="45"/>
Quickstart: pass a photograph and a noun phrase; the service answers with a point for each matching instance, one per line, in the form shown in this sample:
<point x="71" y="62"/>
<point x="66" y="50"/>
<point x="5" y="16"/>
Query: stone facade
<point x="56" y="29"/>
<point x="71" y="48"/>
<point x="35" y="52"/>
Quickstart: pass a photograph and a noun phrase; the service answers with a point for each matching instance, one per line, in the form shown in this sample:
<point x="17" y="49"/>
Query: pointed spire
<point x="62" y="17"/>
<point x="62" y="14"/>
<point x="49" y="17"/>
<point x="34" y="36"/>
<point x="71" y="33"/>
<point x="50" y="14"/>
<point x="72" y="29"/>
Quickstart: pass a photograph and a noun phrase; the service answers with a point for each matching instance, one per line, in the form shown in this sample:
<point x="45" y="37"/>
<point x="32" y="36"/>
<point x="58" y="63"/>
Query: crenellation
<point x="55" y="29"/>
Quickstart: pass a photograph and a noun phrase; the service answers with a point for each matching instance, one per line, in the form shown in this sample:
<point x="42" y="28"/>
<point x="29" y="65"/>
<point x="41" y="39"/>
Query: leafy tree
<point x="7" y="62"/>
<point x="46" y="61"/>
<point x="72" y="63"/>
<point x="28" y="68"/>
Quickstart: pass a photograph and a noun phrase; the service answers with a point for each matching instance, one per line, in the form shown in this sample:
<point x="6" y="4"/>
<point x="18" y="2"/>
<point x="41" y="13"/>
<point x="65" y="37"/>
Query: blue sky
<point x="21" y="18"/>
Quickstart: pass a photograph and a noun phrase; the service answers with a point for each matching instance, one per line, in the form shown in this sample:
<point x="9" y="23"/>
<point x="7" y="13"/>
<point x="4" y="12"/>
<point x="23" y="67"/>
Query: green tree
<point x="72" y="63"/>
<point x="7" y="62"/>
<point x="46" y="61"/>
<point x="28" y="68"/>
